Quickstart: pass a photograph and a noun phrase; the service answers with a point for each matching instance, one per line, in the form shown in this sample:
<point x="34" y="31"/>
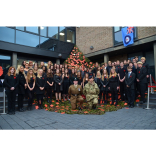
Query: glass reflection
<point x="62" y="33"/>
<point x="20" y="28"/>
<point x="70" y="36"/>
<point x="53" y="32"/>
<point x="32" y="29"/>
<point x="27" y="39"/>
<point x="43" y="31"/>
<point x="7" y="34"/>
<point x="116" y="29"/>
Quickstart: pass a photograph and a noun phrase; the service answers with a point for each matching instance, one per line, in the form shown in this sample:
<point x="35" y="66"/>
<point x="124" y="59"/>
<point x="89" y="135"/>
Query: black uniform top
<point x="71" y="78"/>
<point x="79" y="80"/>
<point x="35" y="74"/>
<point x="147" y="67"/>
<point x="22" y="82"/>
<point x="114" y="80"/>
<point x="109" y="69"/>
<point x="141" y="75"/>
<point x="31" y="82"/>
<point x="44" y="75"/>
<point x="125" y="66"/>
<point x="98" y="82"/>
<point x="66" y="79"/>
<point x="85" y="82"/>
<point x="40" y="82"/>
<point x="11" y="81"/>
<point x="50" y="80"/>
<point x="122" y="72"/>
<point x="58" y="79"/>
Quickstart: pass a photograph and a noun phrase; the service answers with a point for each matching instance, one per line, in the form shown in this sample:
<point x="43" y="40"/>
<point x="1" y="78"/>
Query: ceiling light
<point x="61" y="34"/>
<point x="68" y="40"/>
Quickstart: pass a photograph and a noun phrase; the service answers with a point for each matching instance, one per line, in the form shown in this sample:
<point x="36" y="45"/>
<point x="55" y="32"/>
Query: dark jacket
<point x="98" y="82"/>
<point x="11" y="81"/>
<point x="114" y="81"/>
<point x="71" y="78"/>
<point x="105" y="82"/>
<point x="141" y="75"/>
<point x="22" y="82"/>
<point x="131" y="80"/>
<point x="147" y="67"/>
<point x="40" y="82"/>
<point x="109" y="69"/>
<point x="50" y="80"/>
<point x="57" y="80"/>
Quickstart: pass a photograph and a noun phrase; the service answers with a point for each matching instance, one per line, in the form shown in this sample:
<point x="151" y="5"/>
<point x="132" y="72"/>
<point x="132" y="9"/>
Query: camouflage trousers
<point x="92" y="102"/>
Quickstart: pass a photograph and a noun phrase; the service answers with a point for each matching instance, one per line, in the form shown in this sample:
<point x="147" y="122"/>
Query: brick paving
<point x="128" y="119"/>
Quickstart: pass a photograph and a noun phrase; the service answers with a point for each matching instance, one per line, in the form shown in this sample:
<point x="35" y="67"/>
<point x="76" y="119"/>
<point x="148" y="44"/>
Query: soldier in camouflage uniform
<point x="91" y="91"/>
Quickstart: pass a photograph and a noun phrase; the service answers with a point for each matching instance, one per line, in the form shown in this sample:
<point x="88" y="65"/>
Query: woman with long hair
<point x="65" y="84"/>
<point x="49" y="85"/>
<point x="21" y="87"/>
<point x="44" y="68"/>
<point x="11" y="82"/>
<point x="30" y="64"/>
<point x="49" y="64"/>
<point x="114" y="85"/>
<point x="52" y="69"/>
<point x="40" y="87"/>
<point x="30" y="80"/>
<point x="72" y="76"/>
<point x="104" y="86"/>
<point x="41" y="65"/>
<point x="26" y="68"/>
<point x="35" y="70"/>
<point x="98" y="81"/>
<point x="62" y="70"/>
<point x="58" y="85"/>
<point x="23" y="63"/>
<point x="85" y="79"/>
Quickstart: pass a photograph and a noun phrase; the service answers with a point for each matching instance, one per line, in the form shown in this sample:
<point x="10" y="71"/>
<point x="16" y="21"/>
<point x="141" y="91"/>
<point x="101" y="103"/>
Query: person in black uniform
<point x="11" y="82"/>
<point x="85" y="79"/>
<point x="122" y="73"/>
<point x="117" y="66"/>
<point x="21" y="87"/>
<point x="143" y="60"/>
<point x="114" y="85"/>
<point x="104" y="86"/>
<point x="40" y="87"/>
<point x="30" y="80"/>
<point x="65" y="85"/>
<point x="58" y="87"/>
<point x="109" y="67"/>
<point x="130" y="85"/>
<point x="90" y="72"/>
<point x="142" y="79"/>
<point x="44" y="68"/>
<point x="72" y="76"/>
<point x="125" y="65"/>
<point x="97" y="80"/>
<point x="49" y="85"/>
<point x="79" y="77"/>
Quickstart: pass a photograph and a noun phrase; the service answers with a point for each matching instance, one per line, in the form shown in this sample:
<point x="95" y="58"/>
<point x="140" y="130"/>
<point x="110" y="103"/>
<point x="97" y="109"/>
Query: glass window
<point x="27" y="39"/>
<point x="53" y="32"/>
<point x="116" y="29"/>
<point x="20" y="28"/>
<point x="62" y="33"/>
<point x="7" y="34"/>
<point x="43" y="31"/>
<point x="70" y="36"/>
<point x="32" y="29"/>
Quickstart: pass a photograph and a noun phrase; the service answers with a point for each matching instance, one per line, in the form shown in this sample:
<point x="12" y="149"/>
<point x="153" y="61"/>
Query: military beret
<point x="90" y="77"/>
<point x="75" y="79"/>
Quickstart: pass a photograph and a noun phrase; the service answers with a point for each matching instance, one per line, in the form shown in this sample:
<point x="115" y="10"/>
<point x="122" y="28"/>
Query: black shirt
<point x="122" y="72"/>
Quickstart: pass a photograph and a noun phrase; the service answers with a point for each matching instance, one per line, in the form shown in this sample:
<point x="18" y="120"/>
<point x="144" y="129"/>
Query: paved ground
<point x="134" y="118"/>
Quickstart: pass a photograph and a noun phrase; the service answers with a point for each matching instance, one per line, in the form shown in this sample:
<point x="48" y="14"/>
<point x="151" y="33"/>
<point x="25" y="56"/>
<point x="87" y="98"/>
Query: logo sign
<point x="127" y="39"/>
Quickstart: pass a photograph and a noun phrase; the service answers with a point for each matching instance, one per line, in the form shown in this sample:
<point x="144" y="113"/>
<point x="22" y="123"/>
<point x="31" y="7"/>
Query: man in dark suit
<point x="142" y="79"/>
<point x="130" y="86"/>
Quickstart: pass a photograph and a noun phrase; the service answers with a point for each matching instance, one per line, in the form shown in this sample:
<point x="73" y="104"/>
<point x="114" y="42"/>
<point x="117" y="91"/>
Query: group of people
<point x="70" y="83"/>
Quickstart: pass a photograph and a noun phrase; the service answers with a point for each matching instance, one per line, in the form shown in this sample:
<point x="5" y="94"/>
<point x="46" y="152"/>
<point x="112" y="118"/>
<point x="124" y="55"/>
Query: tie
<point x="129" y="75"/>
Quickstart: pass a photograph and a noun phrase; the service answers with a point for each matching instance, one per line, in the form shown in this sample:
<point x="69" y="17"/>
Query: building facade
<point x="36" y="44"/>
<point x="102" y="44"/>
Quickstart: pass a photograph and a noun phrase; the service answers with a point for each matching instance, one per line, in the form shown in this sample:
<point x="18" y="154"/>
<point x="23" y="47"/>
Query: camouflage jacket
<point x="91" y="91"/>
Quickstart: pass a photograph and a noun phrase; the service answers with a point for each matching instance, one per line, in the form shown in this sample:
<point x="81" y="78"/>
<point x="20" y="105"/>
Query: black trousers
<point x="100" y="95"/>
<point x="49" y="93"/>
<point x="131" y="96"/>
<point x="31" y="96"/>
<point x="11" y="96"/>
<point x="40" y="97"/>
<point x="142" y="90"/>
<point x="20" y="100"/>
<point x="114" y="92"/>
<point x="105" y="93"/>
<point x="122" y="90"/>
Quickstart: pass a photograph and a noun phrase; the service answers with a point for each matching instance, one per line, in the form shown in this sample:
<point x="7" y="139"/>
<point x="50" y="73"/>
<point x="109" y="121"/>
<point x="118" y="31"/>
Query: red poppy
<point x="118" y="67"/>
<point x="124" y="70"/>
<point x="63" y="113"/>
<point x="125" y="104"/>
<point x="57" y="103"/>
<point x="143" y="66"/>
<point x="42" y="77"/>
<point x="113" y="76"/>
<point x="36" y="107"/>
<point x="85" y="112"/>
<point x="51" y="105"/>
<point x="139" y="72"/>
<point x="14" y="77"/>
<point x="99" y="78"/>
<point x="33" y="78"/>
<point x="46" y="105"/>
<point x="130" y="76"/>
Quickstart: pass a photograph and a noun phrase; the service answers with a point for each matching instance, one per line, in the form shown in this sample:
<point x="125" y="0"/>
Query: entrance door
<point x="5" y="63"/>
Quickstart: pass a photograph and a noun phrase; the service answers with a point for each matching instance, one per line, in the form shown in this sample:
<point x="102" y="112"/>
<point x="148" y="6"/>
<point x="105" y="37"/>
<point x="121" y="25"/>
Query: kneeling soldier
<point x="91" y="92"/>
<point x="75" y="91"/>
